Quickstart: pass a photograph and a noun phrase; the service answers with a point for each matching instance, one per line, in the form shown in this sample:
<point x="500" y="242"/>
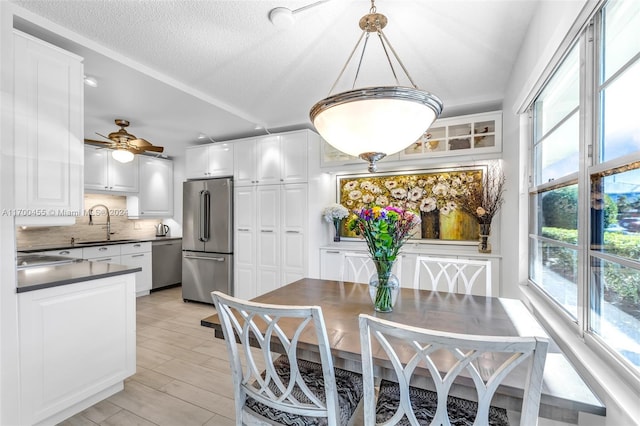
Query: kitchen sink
<point x="100" y="242"/>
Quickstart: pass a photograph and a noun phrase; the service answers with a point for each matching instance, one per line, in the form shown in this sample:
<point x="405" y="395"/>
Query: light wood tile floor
<point x="183" y="376"/>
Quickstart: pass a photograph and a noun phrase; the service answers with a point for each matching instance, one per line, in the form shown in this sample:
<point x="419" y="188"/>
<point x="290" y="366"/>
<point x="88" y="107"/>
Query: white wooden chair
<point x="358" y="267"/>
<point x="449" y="272"/>
<point x="290" y="390"/>
<point x="445" y="356"/>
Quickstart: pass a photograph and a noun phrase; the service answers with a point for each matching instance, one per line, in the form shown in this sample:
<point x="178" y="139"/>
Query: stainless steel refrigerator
<point x="207" y="238"/>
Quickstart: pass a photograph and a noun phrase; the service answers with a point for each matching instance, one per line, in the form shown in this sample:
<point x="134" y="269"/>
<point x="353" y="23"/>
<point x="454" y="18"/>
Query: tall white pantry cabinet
<point x="48" y="126"/>
<point x="272" y="202"/>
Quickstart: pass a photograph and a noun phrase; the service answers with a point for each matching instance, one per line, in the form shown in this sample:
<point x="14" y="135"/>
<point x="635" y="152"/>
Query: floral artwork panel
<point x="430" y="194"/>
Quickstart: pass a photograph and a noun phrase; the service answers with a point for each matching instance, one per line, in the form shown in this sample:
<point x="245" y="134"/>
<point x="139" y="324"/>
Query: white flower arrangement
<point x="335" y="212"/>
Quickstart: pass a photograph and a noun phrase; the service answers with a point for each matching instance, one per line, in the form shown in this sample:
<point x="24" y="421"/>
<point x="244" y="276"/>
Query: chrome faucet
<point x="108" y="218"/>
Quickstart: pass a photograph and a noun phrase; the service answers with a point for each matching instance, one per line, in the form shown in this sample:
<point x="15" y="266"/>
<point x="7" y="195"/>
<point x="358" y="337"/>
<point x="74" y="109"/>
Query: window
<point x="585" y="215"/>
<point x="554" y="202"/>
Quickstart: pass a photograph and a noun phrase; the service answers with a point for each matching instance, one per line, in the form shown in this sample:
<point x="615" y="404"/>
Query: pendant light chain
<point x="398" y="59"/>
<point x="393" y="70"/>
<point x="364" y="47"/>
<point x="346" y="63"/>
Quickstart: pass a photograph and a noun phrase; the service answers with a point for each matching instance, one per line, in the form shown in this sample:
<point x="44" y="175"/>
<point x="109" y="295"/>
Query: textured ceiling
<point x="229" y="69"/>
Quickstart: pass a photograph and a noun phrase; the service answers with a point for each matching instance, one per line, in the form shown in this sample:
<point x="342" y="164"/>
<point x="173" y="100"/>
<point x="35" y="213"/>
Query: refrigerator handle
<point x="203" y="232"/>
<point x="207" y="215"/>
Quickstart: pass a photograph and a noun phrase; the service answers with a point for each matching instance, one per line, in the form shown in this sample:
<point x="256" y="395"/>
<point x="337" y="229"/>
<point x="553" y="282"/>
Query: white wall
<point x="9" y="380"/>
<point x="553" y="26"/>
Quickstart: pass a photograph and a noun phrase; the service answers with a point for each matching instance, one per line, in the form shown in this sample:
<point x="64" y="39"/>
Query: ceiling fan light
<point x="122" y="155"/>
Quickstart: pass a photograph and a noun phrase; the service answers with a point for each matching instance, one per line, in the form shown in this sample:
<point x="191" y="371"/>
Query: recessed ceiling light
<point x="281" y="17"/>
<point x="90" y="81"/>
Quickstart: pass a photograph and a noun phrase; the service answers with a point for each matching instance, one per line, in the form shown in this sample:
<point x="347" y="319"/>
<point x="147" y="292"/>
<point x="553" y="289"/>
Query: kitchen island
<point x="42" y="277"/>
<point x="76" y="325"/>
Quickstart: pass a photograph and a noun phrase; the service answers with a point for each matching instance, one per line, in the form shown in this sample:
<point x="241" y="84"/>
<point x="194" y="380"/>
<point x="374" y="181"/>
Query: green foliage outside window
<point x="560" y="208"/>
<point x="620" y="283"/>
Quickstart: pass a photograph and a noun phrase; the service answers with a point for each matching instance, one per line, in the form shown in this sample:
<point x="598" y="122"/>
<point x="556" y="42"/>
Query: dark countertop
<point x="80" y="244"/>
<point x="37" y="278"/>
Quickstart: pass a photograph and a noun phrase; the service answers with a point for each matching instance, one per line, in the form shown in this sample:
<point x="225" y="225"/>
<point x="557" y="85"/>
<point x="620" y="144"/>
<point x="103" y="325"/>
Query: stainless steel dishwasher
<point x="166" y="263"/>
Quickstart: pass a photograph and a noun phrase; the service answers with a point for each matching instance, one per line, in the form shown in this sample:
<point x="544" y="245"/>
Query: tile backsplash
<point x="121" y="226"/>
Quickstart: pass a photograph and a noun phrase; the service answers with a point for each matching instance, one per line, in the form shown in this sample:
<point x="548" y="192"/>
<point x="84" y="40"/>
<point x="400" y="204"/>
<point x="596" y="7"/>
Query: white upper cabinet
<point x="103" y="173"/>
<point x="245" y="162"/>
<point x="155" y="199"/>
<point x="269" y="160"/>
<point x="48" y="130"/>
<point x="469" y="134"/>
<point x="208" y="161"/>
<point x="272" y="159"/>
<point x="294" y="148"/>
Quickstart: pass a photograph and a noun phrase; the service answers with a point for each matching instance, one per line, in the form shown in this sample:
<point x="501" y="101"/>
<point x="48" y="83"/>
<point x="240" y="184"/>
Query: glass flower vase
<point x="383" y="286"/>
<point x="484" y="246"/>
<point x="336" y="226"/>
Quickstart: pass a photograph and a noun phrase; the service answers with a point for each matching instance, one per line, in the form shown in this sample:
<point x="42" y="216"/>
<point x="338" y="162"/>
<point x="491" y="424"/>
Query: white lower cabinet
<point x="77" y="345"/>
<point x="131" y="254"/>
<point x="107" y="253"/>
<point x="245" y="242"/>
<point x="139" y="254"/>
<point x="270" y="237"/>
<point x="330" y="264"/>
<point x="73" y="253"/>
<point x="331" y="259"/>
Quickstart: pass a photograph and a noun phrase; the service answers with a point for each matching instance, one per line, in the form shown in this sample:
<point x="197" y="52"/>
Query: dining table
<point x="564" y="393"/>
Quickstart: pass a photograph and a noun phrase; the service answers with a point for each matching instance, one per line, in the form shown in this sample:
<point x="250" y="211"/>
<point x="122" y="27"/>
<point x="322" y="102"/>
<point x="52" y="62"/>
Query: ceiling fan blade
<point x="145" y="145"/>
<point x="140" y="142"/>
<point x="100" y="134"/>
<point x="95" y="142"/>
<point x="152" y="148"/>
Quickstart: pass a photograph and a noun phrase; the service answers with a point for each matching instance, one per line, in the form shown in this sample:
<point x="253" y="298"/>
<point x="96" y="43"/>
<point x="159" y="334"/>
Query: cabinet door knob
<point x="102" y="249"/>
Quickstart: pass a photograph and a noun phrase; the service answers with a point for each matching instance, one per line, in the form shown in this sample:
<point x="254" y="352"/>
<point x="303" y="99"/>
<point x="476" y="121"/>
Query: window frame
<point x="589" y="39"/>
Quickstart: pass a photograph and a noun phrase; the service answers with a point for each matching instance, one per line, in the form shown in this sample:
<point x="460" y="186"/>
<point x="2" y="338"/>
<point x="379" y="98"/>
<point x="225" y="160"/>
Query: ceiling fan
<point x="124" y="144"/>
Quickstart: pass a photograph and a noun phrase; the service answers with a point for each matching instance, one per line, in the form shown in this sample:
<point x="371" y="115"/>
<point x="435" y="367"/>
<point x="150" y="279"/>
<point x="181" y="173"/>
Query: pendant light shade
<point x="374" y="122"/>
<point x="374" y="119"/>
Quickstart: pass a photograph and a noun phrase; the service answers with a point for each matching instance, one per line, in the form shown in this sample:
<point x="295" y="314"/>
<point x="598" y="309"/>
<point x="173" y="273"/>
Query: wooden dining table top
<point x="564" y="393"/>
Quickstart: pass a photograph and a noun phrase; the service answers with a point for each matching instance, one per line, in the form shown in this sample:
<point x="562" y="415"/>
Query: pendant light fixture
<point x="373" y="122"/>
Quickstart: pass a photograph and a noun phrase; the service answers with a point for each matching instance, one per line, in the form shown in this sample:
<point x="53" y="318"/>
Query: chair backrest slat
<point x="268" y="325"/>
<point x="452" y="272"/>
<point x="446" y="356"/>
<point x="359" y="267"/>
